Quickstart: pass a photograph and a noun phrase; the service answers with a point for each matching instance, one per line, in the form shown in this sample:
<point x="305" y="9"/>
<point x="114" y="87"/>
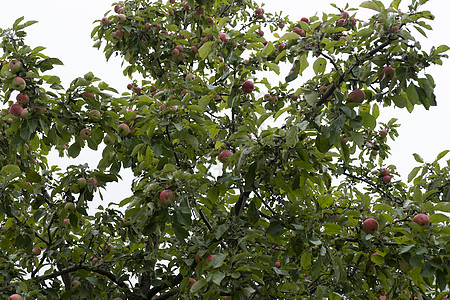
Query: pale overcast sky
<point x="64" y="28"/>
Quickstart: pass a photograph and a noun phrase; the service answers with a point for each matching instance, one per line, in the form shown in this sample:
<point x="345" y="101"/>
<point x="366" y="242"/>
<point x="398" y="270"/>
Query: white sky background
<point x="64" y="28"/>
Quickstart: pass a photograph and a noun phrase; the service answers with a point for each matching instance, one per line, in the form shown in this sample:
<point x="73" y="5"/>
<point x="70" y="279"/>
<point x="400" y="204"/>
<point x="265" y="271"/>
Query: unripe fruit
<point x="223" y="156"/>
<point x="167" y="197"/>
<point x="24" y="114"/>
<point x="69" y="207"/>
<point x="109" y="140"/>
<point x="370" y="226"/>
<point x="18" y="84"/>
<point x="356" y="96"/>
<point x="15" y="65"/>
<point x="75" y="285"/>
<point x="36" y="251"/>
<point x="85" y="134"/>
<point x="95" y="114"/>
<point x="422" y="219"/>
<point x="248" y="86"/>
<point x="123" y="129"/>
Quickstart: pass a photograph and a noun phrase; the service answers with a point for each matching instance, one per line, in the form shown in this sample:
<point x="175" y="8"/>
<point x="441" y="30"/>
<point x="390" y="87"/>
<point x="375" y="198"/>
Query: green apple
<point x="18" y="84"/>
<point x="15" y="65"/>
<point x="109" y="140"/>
<point x="82" y="182"/>
<point x="123" y="129"/>
<point x="69" y="207"/>
<point x="85" y="134"/>
<point x="75" y="285"/>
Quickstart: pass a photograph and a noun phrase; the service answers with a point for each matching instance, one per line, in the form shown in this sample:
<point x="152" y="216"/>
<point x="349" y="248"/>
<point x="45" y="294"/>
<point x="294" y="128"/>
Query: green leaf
<point x="331" y="228"/>
<point x="441" y="155"/>
<point x="197" y="286"/>
<point x="292" y="136"/>
<point x="205" y="49"/>
<point x="370" y="5"/>
<point x="8" y="169"/>
<point x="418" y="158"/>
<point x="319" y="65"/>
<point x="289" y="36"/>
<point x="413" y="173"/>
<point x="442" y="48"/>
<point x="294" y="71"/>
<point x="74" y="149"/>
<point x="275" y="228"/>
<point x="305" y="260"/>
<point x="438" y="218"/>
<point x="442" y="206"/>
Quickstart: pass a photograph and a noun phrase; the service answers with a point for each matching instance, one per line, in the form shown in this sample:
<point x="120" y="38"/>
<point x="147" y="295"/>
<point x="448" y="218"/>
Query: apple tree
<point x="251" y="181"/>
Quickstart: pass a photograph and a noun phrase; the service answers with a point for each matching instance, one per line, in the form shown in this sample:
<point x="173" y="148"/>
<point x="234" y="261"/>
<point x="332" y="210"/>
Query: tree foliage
<point x="247" y="183"/>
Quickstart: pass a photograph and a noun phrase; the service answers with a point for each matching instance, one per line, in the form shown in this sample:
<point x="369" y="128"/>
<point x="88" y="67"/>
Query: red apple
<point x="277" y="264"/>
<point x="118" y="34"/>
<point x="15" y="297"/>
<point x="105" y="21"/>
<point x="167" y="197"/>
<point x="190" y="77"/>
<point x="197" y="258"/>
<point x="191" y="282"/>
<point x="383" y="133"/>
<point x="345" y="14"/>
<point x="386" y="178"/>
<point x="94" y="182"/>
<point x="281" y="25"/>
<point x="95" y="260"/>
<point x="18" y="84"/>
<point x="422" y="219"/>
<point x="66" y="222"/>
<point x="306" y="20"/>
<point x="341" y="22"/>
<point x="223" y="156"/>
<point x="344" y="140"/>
<point x="370" y="226"/>
<point x="23" y="98"/>
<point x="356" y="96"/>
<point x="385" y="171"/>
<point x="209" y="20"/>
<point x="248" y="86"/>
<point x="387" y="73"/>
<point x="223" y="37"/>
<point x="209" y="258"/>
<point x="16" y="109"/>
<point x="36" y="251"/>
<point x="89" y="95"/>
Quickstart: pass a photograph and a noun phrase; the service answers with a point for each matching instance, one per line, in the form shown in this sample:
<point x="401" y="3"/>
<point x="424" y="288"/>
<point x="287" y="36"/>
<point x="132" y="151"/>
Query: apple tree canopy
<point x="256" y="150"/>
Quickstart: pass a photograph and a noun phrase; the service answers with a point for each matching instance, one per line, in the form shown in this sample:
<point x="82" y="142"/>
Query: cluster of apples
<point x="370" y="226"/>
<point x="20" y="108"/>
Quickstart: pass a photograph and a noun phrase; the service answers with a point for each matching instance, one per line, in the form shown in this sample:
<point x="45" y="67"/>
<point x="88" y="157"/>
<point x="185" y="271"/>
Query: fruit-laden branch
<point x="71" y="269"/>
<point x="369" y="183"/>
<point x="167" y="295"/>
<point x="324" y="98"/>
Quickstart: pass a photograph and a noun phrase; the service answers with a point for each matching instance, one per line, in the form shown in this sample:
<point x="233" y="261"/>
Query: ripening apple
<point x="95" y="114"/>
<point x="345" y="14"/>
<point x="190" y="77"/>
<point x="24" y="114"/>
<point x="109" y="140"/>
<point x="66" y="222"/>
<point x="344" y="140"/>
<point x="356" y="96"/>
<point x="36" y="251"/>
<point x="387" y="178"/>
<point x="387" y="73"/>
<point x="341" y="22"/>
<point x="118" y="34"/>
<point x="82" y="182"/>
<point x="248" y="86"/>
<point x="167" y="197"/>
<point x="85" y="133"/>
<point x="15" y="297"/>
<point x="277" y="264"/>
<point x="385" y="171"/>
<point x="223" y="156"/>
<point x="69" y="207"/>
<point x="422" y="219"/>
<point x="16" y="109"/>
<point x="137" y="90"/>
<point x="383" y="133"/>
<point x="223" y="37"/>
<point x="18" y="84"/>
<point x="22" y="98"/>
<point x="95" y="260"/>
<point x="370" y="226"/>
<point x="191" y="282"/>
<point x="75" y="285"/>
<point x="93" y="181"/>
<point x="105" y="21"/>
<point x="15" y="65"/>
<point x="123" y="129"/>
<point x="197" y="258"/>
<point x="209" y="258"/>
<point x="39" y="110"/>
<point x="75" y="188"/>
